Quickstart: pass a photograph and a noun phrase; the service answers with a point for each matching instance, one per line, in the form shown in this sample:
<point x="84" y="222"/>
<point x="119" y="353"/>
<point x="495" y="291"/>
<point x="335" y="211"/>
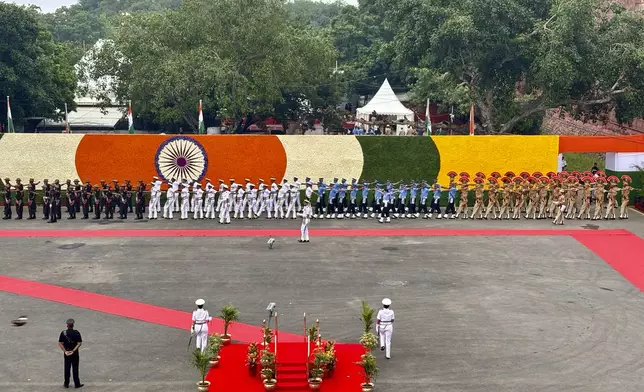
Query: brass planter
<point x="203" y="387"/>
<point x="314" y="383"/>
<point x="270" y="385"/>
<point x="215" y="362"/>
<point x="367" y="387"/>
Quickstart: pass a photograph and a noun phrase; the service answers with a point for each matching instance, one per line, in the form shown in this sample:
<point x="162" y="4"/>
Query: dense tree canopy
<point x="34" y="70"/>
<point x="240" y="56"/>
<point x="517" y="58"/>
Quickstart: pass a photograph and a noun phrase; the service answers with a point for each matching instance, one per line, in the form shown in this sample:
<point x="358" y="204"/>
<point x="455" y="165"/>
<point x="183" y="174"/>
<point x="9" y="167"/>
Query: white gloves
<point x="192" y="330"/>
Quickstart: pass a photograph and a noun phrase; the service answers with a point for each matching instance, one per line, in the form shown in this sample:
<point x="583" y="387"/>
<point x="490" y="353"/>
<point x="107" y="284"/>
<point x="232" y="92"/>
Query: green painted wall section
<point x="399" y="158"/>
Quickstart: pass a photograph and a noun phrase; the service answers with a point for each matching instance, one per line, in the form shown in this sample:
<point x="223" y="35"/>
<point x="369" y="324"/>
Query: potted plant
<point x="369" y="341"/>
<point x="200" y="361"/>
<point x="369" y="372"/>
<point x="329" y="349"/>
<point x="319" y="361"/>
<point x="268" y="362"/>
<point x="270" y="383"/>
<point x="252" y="357"/>
<point x="268" y="337"/>
<point x="367" y="316"/>
<point x="229" y="314"/>
<point x="268" y="370"/>
<point x="213" y="349"/>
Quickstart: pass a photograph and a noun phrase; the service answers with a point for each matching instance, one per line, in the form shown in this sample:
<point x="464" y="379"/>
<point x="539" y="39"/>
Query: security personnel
<point x="85" y="200"/>
<point x="353" y="195"/>
<point x="342" y="198"/>
<point x="319" y="204"/>
<point x="226" y="204"/>
<point x="387" y="200"/>
<point x="96" y="197"/>
<point x="333" y="202"/>
<point x="7" y="199"/>
<point x="168" y="207"/>
<point x="199" y="328"/>
<point x="46" y="199"/>
<point x="70" y="341"/>
<point x="128" y="188"/>
<point x="19" y="198"/>
<point x="123" y="207"/>
<point x="451" y="199"/>
<point x="140" y="200"/>
<point x="424" y="195"/>
<point x="78" y="192"/>
<point x="88" y="193"/>
<point x="308" y="191"/>
<point x="364" y="193"/>
<point x="109" y="201"/>
<point x="71" y="200"/>
<point x="54" y="203"/>
<point x="155" y="198"/>
<point x="413" y="194"/>
<point x="379" y="193"/>
<point x="385" y="325"/>
<point x="31" y="198"/>
<point x="197" y="197"/>
<point x="297" y="184"/>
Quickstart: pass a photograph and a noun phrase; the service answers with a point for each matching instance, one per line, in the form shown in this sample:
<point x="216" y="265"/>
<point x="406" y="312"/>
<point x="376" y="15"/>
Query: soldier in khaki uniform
<point x="612" y="197"/>
<point x="543" y="196"/>
<point x="533" y="198"/>
<point x="464" y="192"/>
<point x="600" y="190"/>
<point x="626" y="191"/>
<point x="587" y="190"/>
<point x="479" y="189"/>
<point x="506" y="194"/>
<point x="492" y="197"/>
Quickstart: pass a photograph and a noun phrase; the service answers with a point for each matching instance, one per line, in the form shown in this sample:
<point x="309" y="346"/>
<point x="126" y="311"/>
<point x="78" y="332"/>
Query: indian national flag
<point x="10" y="128"/>
<point x="67" y="128"/>
<point x="472" y="120"/>
<point x="202" y="125"/>
<point x="130" y="118"/>
<point x="428" y="120"/>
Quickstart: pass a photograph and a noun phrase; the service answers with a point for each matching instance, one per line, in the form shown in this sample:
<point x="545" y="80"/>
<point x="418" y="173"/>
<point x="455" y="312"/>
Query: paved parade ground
<point x="480" y="305"/>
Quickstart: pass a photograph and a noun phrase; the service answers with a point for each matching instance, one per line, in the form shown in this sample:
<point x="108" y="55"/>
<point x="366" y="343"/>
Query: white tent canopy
<point x="385" y="103"/>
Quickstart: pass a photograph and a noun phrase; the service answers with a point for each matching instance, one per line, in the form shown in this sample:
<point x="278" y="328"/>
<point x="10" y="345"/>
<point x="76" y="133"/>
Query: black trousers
<point x="86" y="205"/>
<point x="363" y="207"/>
<point x="376" y="207"/>
<point x="129" y="202"/>
<point x="71" y="363"/>
<point x="423" y="206"/>
<point x="109" y="210"/>
<point x="436" y="206"/>
<point x="32" y="209"/>
<point x="7" y="209"/>
<point x="412" y="207"/>
<point x="330" y="208"/>
<point x="97" y="210"/>
<point x="123" y="209"/>
<point x="59" y="209"/>
<point x="139" y="209"/>
<point x="450" y="208"/>
<point x="385" y="210"/>
<point x="45" y="208"/>
<point x="53" y="212"/>
<point x="71" y="209"/>
<point x="352" y="207"/>
<point x="19" y="209"/>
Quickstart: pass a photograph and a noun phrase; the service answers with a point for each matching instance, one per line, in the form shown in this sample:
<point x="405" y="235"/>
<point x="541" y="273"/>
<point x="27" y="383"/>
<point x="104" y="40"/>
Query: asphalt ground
<point x="473" y="313"/>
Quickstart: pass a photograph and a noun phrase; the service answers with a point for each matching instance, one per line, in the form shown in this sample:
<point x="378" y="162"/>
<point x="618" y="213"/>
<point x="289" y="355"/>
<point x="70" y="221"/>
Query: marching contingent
<point x="556" y="196"/>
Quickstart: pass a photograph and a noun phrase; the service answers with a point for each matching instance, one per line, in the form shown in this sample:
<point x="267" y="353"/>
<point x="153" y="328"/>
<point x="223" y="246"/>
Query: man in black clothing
<point x="70" y="341"/>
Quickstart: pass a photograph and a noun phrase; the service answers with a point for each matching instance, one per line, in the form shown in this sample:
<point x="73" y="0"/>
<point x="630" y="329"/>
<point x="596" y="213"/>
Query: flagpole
<point x="472" y="119"/>
<point x="67" y="127"/>
<point x="9" y="117"/>
<point x="130" y="118"/>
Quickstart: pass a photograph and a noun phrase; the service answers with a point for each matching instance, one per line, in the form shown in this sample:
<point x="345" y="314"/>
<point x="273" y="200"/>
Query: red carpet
<point x="232" y="374"/>
<point x="625" y="253"/>
<point x="388" y="232"/>
<point x="130" y="309"/>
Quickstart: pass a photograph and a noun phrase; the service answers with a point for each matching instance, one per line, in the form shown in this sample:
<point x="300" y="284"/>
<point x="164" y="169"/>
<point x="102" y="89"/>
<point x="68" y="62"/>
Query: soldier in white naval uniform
<point x="251" y="201"/>
<point x="197" y="201"/>
<point x="293" y="199"/>
<point x="168" y="207"/>
<point x="221" y="190"/>
<point x="185" y="200"/>
<point x="210" y="200"/>
<point x="298" y="185"/>
<point x="155" y="198"/>
<point x="272" y="200"/>
<point x="224" y="213"/>
<point x="200" y="320"/>
<point x="175" y="187"/>
<point x="385" y="326"/>
<point x="307" y="214"/>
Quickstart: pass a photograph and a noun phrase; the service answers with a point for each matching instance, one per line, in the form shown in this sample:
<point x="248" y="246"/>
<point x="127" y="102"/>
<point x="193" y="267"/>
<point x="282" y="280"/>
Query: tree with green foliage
<point x="516" y="59"/>
<point x="35" y="71"/>
<point x="239" y="56"/>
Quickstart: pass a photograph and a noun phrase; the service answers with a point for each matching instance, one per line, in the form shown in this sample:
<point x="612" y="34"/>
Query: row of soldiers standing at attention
<point x="533" y="196"/>
<point x="78" y="198"/>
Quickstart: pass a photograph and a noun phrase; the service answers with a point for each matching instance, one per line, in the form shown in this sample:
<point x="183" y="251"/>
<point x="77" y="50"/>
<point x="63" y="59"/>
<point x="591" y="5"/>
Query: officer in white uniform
<point x="239" y="202"/>
<point x="221" y="190"/>
<point x="272" y="200"/>
<point x="210" y="200"/>
<point x="251" y="200"/>
<point x="168" y="207"/>
<point x="293" y="200"/>
<point x="185" y="201"/>
<point x="298" y="185"/>
<point x="385" y="326"/>
<point x="224" y="213"/>
<point x="200" y="320"/>
<point x="307" y="214"/>
<point x="175" y="187"/>
<point x="155" y="198"/>
<point x="197" y="201"/>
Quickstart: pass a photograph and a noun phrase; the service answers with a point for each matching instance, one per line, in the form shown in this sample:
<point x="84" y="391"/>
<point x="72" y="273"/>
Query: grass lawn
<point x="581" y="161"/>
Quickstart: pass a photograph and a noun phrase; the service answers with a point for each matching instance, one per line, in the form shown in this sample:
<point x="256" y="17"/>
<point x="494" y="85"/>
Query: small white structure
<point x="386" y="103"/>
<point x="624" y="161"/>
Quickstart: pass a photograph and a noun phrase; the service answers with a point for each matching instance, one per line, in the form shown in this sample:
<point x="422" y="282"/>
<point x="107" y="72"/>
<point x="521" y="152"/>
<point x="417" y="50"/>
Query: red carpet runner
<point x="232" y="375"/>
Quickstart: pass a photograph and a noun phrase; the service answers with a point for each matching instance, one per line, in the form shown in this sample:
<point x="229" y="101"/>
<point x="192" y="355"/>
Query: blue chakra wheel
<point x="181" y="157"/>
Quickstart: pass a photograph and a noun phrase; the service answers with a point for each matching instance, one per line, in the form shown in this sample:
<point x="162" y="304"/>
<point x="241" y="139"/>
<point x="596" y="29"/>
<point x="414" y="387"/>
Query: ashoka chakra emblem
<point x="181" y="157"/>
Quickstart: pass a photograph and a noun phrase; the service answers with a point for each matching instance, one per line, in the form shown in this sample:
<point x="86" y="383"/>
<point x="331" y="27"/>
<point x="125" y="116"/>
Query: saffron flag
<point x="130" y="118"/>
<point x="428" y="120"/>
<point x="10" y="128"/>
<point x="202" y="125"/>
<point x="472" y="120"/>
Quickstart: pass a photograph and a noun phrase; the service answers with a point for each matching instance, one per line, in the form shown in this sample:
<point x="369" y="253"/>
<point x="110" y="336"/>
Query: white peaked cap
<point x="386" y="302"/>
<point x="200" y="302"/>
